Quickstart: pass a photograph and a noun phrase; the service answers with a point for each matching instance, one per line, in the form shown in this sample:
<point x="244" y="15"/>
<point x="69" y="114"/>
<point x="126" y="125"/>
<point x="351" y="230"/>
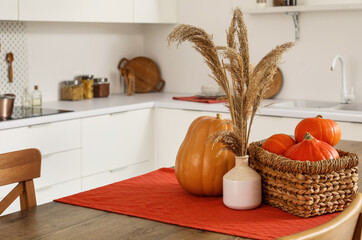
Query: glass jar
<point x="72" y="90"/>
<point x="87" y="81"/>
<point x="101" y="87"/>
<point x="36" y="98"/>
<point x="26" y="103"/>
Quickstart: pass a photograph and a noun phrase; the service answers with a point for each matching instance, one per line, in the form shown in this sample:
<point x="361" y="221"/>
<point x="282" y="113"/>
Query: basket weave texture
<point x="305" y="188"/>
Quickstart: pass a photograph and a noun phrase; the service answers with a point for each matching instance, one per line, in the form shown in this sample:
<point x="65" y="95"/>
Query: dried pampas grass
<point x="244" y="85"/>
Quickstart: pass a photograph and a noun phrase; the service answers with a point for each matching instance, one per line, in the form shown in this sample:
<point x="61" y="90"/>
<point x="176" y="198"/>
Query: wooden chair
<point x="347" y="225"/>
<point x="20" y="167"/>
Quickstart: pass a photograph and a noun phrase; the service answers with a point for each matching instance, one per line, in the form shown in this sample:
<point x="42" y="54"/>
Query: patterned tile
<point x="13" y="39"/>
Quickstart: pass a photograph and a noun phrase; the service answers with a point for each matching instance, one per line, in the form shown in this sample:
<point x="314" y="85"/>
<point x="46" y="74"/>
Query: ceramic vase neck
<point x="242" y="161"/>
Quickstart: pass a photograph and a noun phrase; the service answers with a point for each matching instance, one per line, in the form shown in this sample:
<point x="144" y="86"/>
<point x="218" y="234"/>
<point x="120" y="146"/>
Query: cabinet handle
<point x="116" y="114"/>
<point x="124" y="167"/>
<point x="47" y="155"/>
<point x="117" y="169"/>
<point x="43" y="188"/>
<point x="39" y="125"/>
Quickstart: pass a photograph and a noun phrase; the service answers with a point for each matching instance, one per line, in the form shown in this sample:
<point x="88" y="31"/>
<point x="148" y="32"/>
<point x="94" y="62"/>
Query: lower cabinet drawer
<point x="59" y="167"/>
<point x="49" y="193"/>
<point x="116" y="175"/>
<point x="67" y="135"/>
<point x="43" y="195"/>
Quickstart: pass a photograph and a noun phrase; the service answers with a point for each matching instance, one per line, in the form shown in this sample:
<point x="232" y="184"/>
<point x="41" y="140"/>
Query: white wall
<point x="61" y="51"/>
<point x="306" y="68"/>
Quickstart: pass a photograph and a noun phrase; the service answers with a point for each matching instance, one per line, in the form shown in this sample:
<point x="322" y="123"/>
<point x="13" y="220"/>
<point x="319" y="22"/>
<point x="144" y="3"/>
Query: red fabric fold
<point x="198" y="99"/>
<point x="158" y="196"/>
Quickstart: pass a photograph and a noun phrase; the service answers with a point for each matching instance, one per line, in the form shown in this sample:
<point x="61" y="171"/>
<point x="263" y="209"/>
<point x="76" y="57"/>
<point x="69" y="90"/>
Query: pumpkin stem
<point x="319" y="116"/>
<point x="308" y="136"/>
<point x="218" y="116"/>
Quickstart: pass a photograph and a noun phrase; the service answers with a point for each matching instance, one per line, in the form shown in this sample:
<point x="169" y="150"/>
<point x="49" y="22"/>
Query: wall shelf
<point x="305" y="8"/>
<point x="295" y="11"/>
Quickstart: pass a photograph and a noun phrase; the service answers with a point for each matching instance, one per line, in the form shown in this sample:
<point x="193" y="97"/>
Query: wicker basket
<point x="305" y="188"/>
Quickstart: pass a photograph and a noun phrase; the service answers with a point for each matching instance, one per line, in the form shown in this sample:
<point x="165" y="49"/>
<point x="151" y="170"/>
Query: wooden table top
<point x="63" y="221"/>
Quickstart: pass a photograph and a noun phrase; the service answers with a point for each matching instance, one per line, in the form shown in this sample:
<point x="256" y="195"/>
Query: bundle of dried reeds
<point x="244" y="85"/>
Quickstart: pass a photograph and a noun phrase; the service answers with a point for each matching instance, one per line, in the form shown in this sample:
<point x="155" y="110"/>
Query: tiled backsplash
<point x="12" y="39"/>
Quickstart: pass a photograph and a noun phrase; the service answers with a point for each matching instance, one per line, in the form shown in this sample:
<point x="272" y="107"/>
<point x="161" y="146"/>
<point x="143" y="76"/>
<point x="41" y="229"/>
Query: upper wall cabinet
<point x="50" y="10"/>
<point x="118" y="11"/>
<point x="108" y="10"/>
<point x="9" y="10"/>
<point x="156" y="11"/>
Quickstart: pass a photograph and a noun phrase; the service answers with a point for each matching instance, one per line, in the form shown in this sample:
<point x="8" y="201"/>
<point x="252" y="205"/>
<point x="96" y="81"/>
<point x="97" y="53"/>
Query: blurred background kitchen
<point x="49" y="52"/>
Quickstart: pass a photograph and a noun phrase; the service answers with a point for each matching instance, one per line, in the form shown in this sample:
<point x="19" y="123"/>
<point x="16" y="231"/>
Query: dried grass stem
<point x="244" y="85"/>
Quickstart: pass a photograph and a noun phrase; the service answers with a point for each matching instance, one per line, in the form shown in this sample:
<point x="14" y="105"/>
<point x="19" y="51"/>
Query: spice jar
<point x="87" y="81"/>
<point x="101" y="87"/>
<point x="72" y="90"/>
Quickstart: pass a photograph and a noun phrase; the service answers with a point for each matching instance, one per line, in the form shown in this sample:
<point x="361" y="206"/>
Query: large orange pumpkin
<point x="311" y="149"/>
<point x="278" y="143"/>
<point x="199" y="166"/>
<point x="325" y="130"/>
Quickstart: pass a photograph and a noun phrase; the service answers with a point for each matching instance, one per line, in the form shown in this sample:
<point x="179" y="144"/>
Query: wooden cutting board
<point x="146" y="72"/>
<point x="276" y="85"/>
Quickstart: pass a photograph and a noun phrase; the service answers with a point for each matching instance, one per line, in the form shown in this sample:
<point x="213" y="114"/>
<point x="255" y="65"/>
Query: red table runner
<point x="201" y="100"/>
<point x="158" y="196"/>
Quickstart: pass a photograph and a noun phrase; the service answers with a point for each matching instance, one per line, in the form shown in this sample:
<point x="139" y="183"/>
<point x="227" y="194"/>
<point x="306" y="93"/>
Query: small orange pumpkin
<point x="325" y="130"/>
<point x="200" y="167"/>
<point x="278" y="143"/>
<point x="311" y="149"/>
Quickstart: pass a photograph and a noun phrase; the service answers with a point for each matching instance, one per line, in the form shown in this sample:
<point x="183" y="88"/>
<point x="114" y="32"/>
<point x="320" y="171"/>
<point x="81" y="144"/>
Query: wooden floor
<point x="63" y="221"/>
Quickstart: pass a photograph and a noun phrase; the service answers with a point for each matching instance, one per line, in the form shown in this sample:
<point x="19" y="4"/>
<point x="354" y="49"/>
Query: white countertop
<point x="118" y="103"/>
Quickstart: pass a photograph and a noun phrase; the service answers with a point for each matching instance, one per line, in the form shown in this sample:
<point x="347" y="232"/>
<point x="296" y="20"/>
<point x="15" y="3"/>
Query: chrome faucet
<point x="346" y="98"/>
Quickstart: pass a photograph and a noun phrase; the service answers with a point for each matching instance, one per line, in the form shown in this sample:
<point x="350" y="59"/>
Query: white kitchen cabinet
<point x="50" y="10"/>
<point x="112" y="176"/>
<point x="9" y="10"/>
<point x="59" y="167"/>
<point x="113" y="141"/>
<point x="60" y="146"/>
<point x="107" y="11"/>
<point x="52" y="192"/>
<point x="156" y="11"/>
<point x="48" y="138"/>
<point x="265" y="126"/>
<point x="117" y="11"/>
<point x="171" y="126"/>
<point x="351" y="131"/>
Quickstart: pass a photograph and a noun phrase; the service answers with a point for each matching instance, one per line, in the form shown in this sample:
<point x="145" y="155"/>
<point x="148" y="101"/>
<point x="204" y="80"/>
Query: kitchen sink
<point x="306" y="104"/>
<point x="350" y="107"/>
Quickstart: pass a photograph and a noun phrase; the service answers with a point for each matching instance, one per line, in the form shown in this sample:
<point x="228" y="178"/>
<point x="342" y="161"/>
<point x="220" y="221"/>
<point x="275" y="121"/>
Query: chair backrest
<point x="347" y="225"/>
<point x="20" y="167"/>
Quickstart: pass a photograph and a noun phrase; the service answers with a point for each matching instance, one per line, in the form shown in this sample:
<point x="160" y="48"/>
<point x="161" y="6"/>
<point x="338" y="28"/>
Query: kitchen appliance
<point x="147" y="74"/>
<point x="28" y="112"/>
<point x="6" y="105"/>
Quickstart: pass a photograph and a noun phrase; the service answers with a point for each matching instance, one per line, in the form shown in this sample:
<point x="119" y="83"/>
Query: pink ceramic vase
<point x="242" y="186"/>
